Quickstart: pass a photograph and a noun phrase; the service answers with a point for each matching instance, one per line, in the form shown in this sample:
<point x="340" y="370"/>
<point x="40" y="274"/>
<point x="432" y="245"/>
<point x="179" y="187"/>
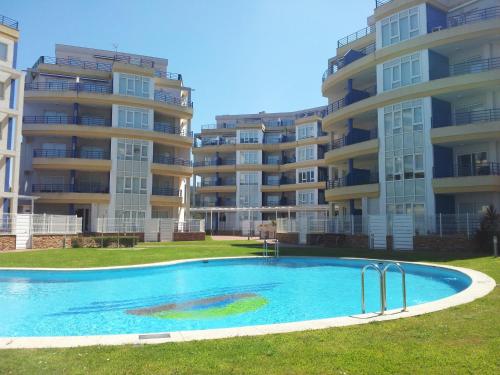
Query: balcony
<point x="379" y="3"/>
<point x="352" y="138"/>
<point x="353" y="97"/>
<point x="166" y="191"/>
<point x="103" y="66"/>
<point x="283" y="202"/>
<point x="79" y="154"/>
<point x="213" y="163"/>
<point x="355" y="36"/>
<point x="71" y="120"/>
<point x="355" y="185"/>
<point x="9" y="22"/>
<point x="170" y="160"/>
<point x="167" y="128"/>
<point x="351" y="56"/>
<point x="217" y="185"/>
<point x="68" y="188"/>
<point x="100" y="88"/>
<point x="219" y="141"/>
<point x="474" y="178"/>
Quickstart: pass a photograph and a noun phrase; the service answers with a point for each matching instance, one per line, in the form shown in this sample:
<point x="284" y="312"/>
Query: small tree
<point x="489" y="227"/>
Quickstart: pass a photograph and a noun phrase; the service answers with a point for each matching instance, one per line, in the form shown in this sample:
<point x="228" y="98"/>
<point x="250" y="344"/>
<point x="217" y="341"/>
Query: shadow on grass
<point x="414" y="256"/>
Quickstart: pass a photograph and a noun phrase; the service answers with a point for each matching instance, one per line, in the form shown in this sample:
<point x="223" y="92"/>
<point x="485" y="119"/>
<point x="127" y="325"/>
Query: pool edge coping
<point x="481" y="285"/>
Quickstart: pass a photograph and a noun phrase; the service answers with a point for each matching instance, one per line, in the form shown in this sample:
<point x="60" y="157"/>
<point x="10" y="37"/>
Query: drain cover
<point x="155" y="336"/>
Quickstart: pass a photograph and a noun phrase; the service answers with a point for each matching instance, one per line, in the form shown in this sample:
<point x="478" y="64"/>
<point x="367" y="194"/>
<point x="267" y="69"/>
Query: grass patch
<point x="460" y="340"/>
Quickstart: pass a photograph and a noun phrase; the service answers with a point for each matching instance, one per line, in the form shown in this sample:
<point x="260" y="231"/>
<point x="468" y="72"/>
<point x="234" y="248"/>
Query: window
<point x="306" y="175"/>
<point x="132" y="150"/>
<point x="128" y="184"/>
<point x="249" y="136"/>
<point x="306" y="197"/>
<point x="306" y="131"/>
<point x="132" y="85"/>
<point x="401" y="26"/>
<point x="248" y="157"/>
<point x="473" y="164"/>
<point x="305" y="153"/>
<point x="2" y="91"/>
<point x="404" y="156"/>
<point x="249" y="178"/>
<point x="133" y="118"/>
<point x="3" y="51"/>
<point x="402" y="72"/>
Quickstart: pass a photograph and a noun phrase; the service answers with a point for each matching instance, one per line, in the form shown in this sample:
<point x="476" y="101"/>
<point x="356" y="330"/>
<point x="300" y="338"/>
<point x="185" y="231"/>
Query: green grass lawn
<point x="459" y="340"/>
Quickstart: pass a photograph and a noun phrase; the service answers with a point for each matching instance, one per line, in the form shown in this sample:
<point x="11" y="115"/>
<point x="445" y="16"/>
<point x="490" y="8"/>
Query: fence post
<point x="352" y="224"/>
<point x="468" y="230"/>
<point x="440" y="225"/>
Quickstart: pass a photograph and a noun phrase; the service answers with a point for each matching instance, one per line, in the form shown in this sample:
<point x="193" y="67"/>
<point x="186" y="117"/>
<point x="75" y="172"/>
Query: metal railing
<point x="9" y="22"/>
<point x="212" y="163"/>
<point x="171" y="160"/>
<point x="70" y="120"/>
<point x="379" y="3"/>
<point x="189" y="226"/>
<point x="475" y="66"/>
<point x="104" y="66"/>
<point x="219" y="182"/>
<point x="345" y="141"/>
<point x="470" y="117"/>
<point x="166" y="97"/>
<point x="56" y="224"/>
<point x="355" y="36"/>
<point x="166" y="191"/>
<point x="78" y="154"/>
<point x="69" y="188"/>
<point x="340" y="63"/>
<point x="341" y="103"/>
<point x="104" y="88"/>
<point x="461" y="170"/>
<point x="164" y="127"/>
<point x="352" y="180"/>
<point x="476" y="15"/>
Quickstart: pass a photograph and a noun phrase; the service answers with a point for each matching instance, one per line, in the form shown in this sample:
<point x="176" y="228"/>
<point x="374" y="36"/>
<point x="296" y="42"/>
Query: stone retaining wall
<point x="189" y="236"/>
<point x="7" y="242"/>
<point x="50" y="241"/>
<point x="290" y="238"/>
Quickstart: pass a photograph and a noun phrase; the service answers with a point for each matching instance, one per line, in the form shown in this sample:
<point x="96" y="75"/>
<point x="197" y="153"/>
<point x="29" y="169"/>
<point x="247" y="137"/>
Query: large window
<point x="305" y="153"/>
<point x="132" y="150"/>
<point x="306" y="175"/>
<point x="401" y="26"/>
<point x="132" y="85"/>
<point x="133" y="118"/>
<point x="306" y="131"/>
<point x="402" y="72"/>
<point x="404" y="157"/>
<point x="3" y="51"/>
<point x="249" y="136"/>
<point x="249" y="157"/>
<point x="306" y="197"/>
<point x="249" y="195"/>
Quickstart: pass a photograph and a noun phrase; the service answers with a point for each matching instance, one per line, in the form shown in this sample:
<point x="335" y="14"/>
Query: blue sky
<point x="239" y="56"/>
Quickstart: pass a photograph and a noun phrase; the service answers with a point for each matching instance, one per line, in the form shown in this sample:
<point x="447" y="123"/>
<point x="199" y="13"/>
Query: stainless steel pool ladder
<point x="382" y="271"/>
<point x="276" y="248"/>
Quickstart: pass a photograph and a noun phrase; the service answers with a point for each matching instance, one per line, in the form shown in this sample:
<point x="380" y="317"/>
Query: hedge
<point x="105" y="241"/>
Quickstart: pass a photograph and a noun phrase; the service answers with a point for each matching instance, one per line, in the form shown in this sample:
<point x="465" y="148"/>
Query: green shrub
<point x="105" y="241"/>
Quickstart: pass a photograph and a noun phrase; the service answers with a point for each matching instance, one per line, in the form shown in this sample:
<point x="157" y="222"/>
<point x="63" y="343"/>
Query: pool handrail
<point x="376" y="267"/>
<point x="403" y="282"/>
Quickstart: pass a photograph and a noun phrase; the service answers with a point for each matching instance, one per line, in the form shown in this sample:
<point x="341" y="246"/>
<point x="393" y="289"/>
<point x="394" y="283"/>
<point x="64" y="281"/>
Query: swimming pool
<point x="201" y="295"/>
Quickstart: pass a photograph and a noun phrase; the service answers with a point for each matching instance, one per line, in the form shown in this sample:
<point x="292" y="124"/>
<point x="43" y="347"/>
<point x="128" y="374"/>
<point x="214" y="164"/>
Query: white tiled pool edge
<point x="481" y="285"/>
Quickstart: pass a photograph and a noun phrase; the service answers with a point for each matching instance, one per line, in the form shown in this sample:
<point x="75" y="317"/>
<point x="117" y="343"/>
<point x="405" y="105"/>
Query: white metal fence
<point x="439" y="224"/>
<point x="41" y="224"/>
<point x="120" y="225"/>
<point x="189" y="226"/>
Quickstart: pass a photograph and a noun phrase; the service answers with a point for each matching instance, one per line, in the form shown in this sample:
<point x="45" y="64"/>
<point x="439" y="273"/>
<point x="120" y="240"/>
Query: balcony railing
<point x="170" y="160"/>
<point x="78" y="154"/>
<point x="9" y="22"/>
<point x="103" y="66"/>
<point x="166" y="191"/>
<point x="213" y="163"/>
<point x="471" y="117"/>
<point x="466" y="170"/>
<point x="344" y="102"/>
<point x="272" y="161"/>
<point x="281" y="203"/>
<point x="355" y="36"/>
<point x="352" y="180"/>
<point x="101" y="88"/>
<point x="340" y="63"/>
<point x="379" y="3"/>
<point x="476" y="15"/>
<point x="71" y="120"/>
<point x="348" y="140"/>
<point x="220" y="182"/>
<point x="164" y="127"/>
<point x="475" y="66"/>
<point x="166" y="97"/>
<point x="68" y="188"/>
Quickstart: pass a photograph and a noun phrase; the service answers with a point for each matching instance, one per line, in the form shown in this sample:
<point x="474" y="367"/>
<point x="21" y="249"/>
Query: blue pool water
<point x="203" y="295"/>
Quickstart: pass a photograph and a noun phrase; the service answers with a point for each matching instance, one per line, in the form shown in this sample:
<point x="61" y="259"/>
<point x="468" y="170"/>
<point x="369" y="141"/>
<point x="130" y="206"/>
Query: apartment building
<point x="269" y="163"/>
<point x="414" y="110"/>
<point x="11" y="110"/>
<point x="106" y="134"/>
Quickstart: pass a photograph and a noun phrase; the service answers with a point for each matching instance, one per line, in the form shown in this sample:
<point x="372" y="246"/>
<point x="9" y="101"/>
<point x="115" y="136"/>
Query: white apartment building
<point x="11" y="111"/>
<point x="106" y="135"/>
